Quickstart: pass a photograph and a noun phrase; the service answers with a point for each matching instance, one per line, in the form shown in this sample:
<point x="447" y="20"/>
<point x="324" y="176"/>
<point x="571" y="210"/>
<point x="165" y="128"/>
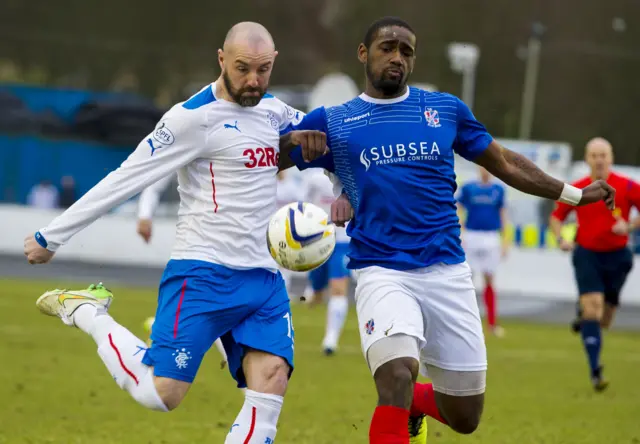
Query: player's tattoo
<point x="519" y="172"/>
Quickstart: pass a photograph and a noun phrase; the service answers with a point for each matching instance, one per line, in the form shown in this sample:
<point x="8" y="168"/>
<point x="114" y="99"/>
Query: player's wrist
<point x="570" y="195"/>
<point x="44" y="243"/>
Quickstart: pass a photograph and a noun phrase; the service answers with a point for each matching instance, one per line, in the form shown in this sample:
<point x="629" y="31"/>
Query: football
<point x="299" y="236"/>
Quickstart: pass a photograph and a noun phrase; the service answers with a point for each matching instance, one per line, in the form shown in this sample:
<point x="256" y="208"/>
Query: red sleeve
<point x="562" y="211"/>
<point x="633" y="192"/>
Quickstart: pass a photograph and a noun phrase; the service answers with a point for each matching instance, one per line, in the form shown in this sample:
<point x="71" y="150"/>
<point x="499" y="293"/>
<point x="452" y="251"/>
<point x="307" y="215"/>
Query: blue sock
<point x="592" y="340"/>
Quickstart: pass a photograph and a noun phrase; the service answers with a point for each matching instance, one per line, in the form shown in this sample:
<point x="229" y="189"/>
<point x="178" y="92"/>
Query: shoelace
<point x="415" y="422"/>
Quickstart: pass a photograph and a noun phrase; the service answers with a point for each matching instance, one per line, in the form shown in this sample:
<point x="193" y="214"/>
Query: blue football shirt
<point x="483" y="202"/>
<point x="395" y="158"/>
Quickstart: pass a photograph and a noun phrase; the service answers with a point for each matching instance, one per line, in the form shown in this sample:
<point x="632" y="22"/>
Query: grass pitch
<point x="55" y="389"/>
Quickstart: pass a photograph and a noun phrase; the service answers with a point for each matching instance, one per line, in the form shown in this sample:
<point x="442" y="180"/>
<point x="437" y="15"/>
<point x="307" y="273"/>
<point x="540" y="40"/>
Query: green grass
<point x="55" y="389"/>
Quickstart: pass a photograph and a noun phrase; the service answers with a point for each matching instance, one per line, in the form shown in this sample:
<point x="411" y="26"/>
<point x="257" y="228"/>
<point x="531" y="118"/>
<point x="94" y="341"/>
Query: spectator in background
<point x="43" y="195"/>
<point x="68" y="192"/>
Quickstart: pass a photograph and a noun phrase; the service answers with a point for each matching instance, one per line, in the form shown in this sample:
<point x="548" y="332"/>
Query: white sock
<point x="122" y="354"/>
<point x="220" y="348"/>
<point x="256" y="423"/>
<point x="336" y="315"/>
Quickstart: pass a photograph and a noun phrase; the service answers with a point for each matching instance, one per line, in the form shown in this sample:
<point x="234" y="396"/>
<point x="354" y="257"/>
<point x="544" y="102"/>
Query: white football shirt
<point x="226" y="157"/>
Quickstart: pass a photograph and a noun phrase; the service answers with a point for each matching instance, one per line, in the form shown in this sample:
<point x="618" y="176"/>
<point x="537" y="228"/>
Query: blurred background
<point x="82" y="82"/>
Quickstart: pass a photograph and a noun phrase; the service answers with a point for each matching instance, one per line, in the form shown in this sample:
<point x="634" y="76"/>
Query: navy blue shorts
<point x="199" y="302"/>
<point x="602" y="272"/>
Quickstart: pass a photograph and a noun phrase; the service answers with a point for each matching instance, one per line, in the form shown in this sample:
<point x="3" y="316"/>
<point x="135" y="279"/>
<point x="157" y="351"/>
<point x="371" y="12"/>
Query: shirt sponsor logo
<point x="399" y="152"/>
<point x="356" y="118"/>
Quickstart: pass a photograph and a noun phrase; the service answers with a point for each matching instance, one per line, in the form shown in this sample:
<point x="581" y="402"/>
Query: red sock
<point x="490" y="303"/>
<point x="389" y="425"/>
<point x="424" y="402"/>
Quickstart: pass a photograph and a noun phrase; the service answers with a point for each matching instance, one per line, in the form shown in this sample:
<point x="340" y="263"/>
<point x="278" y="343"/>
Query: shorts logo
<point x="182" y="358"/>
<point x="370" y="326"/>
<point x="433" y="118"/>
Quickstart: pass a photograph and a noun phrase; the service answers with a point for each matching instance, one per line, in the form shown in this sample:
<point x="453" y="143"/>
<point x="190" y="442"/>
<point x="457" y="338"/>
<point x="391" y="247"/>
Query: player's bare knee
<point x="394" y="382"/>
<point x="266" y="373"/>
<point x="393" y="360"/>
<point x="171" y="391"/>
<point x="464" y="425"/>
<point x="463" y="413"/>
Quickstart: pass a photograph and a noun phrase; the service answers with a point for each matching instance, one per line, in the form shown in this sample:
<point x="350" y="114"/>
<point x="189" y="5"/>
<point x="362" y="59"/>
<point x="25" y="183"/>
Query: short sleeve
<point x="472" y="137"/>
<point x="315" y="120"/>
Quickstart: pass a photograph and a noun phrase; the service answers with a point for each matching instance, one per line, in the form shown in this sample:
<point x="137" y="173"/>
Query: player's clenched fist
<point x="36" y="254"/>
<point x="313" y="143"/>
<point x="341" y="211"/>
<point x="144" y="229"/>
<point x="597" y="191"/>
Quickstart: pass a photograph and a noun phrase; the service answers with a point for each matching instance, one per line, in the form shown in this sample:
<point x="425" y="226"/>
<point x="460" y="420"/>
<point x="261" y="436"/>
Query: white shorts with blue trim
<point x="483" y="250"/>
<point x="437" y="305"/>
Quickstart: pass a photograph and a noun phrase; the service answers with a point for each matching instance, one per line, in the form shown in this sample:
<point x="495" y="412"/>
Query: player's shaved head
<point x="249" y="35"/>
<point x="598" y="153"/>
<point x="246" y="60"/>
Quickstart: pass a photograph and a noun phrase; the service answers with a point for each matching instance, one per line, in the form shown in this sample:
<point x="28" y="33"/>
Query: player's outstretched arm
<point x="175" y="142"/>
<point x="520" y="173"/>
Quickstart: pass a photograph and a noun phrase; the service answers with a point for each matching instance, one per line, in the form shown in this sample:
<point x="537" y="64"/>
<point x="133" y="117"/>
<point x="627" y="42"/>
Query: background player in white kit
<point x="482" y="239"/>
<point x="332" y="276"/>
<point x="221" y="280"/>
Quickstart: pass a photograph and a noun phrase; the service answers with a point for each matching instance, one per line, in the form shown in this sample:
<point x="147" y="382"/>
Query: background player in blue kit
<point x="392" y="148"/>
<point x="484" y="245"/>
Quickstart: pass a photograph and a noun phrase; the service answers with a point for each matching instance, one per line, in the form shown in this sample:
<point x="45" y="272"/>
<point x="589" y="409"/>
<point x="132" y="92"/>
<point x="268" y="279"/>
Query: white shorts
<point x="483" y="250"/>
<point x="437" y="305"/>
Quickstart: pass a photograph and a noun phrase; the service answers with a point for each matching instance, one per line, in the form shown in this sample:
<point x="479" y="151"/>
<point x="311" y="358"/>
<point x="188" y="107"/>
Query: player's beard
<point x="237" y="94"/>
<point x="388" y="87"/>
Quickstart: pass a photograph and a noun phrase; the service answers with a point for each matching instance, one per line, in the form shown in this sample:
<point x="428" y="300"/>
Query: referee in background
<point x="601" y="258"/>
